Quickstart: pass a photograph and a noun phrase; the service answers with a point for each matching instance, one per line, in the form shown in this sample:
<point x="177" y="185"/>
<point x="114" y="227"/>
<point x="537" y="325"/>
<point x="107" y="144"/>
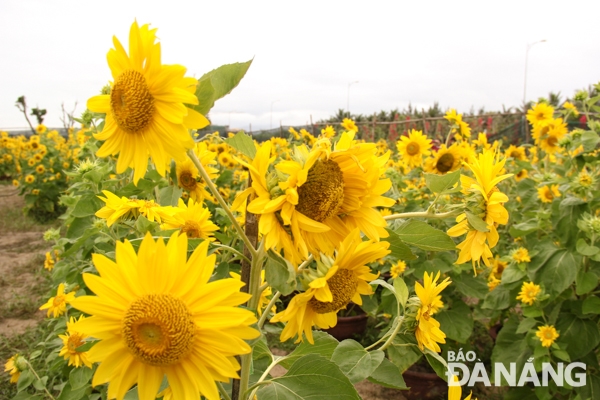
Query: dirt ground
<point x="22" y="277"/>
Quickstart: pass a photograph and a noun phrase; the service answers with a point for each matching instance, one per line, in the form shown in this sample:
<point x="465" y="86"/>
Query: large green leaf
<point x="86" y="206"/>
<point x="470" y="285"/>
<point x="398" y="248"/>
<point x="355" y="362"/>
<point x="404" y="351"/>
<point x="280" y="274"/>
<point x="423" y="236"/>
<point x="440" y="183"/>
<point x="388" y="375"/>
<point x="558" y="272"/>
<point x="456" y="322"/>
<point x="218" y="83"/>
<point x="311" y="377"/>
<point x="580" y="335"/>
<point x="243" y="143"/>
<point x="497" y="299"/>
<point x="325" y="345"/>
<point x="511" y="347"/>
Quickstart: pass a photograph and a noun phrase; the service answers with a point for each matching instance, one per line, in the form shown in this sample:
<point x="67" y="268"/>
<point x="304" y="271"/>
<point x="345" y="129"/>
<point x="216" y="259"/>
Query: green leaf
<point x="524" y="228"/>
<point x="585" y="282"/>
<point x="558" y="272"/>
<point x="143" y="224"/>
<point x="497" y="299"/>
<point x="388" y="375"/>
<point x="440" y="183"/>
<point x="469" y="285"/>
<point x="456" y="322"/>
<point x="512" y="274"/>
<point x="260" y="349"/>
<point x="243" y="143"/>
<point x="580" y="336"/>
<point x="591" y="305"/>
<point x="86" y="205"/>
<point x="423" y="236"/>
<point x="169" y="196"/>
<point x="526" y="325"/>
<point x="437" y="363"/>
<point x="585" y="249"/>
<point x="218" y="83"/>
<point x="511" y="347"/>
<point x="25" y="379"/>
<point x="311" y="377"/>
<point x="401" y="291"/>
<point x="354" y="361"/>
<point x="404" y="351"/>
<point x="280" y="274"/>
<point x="325" y="345"/>
<point x="589" y="140"/>
<point x="398" y="248"/>
<point x="476" y="222"/>
<point x="80" y="377"/>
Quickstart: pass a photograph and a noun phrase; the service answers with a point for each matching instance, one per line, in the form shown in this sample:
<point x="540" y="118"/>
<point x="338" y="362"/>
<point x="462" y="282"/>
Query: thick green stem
<point x="422" y="214"/>
<point x="263" y="317"/>
<point x="221" y="201"/>
<point x="393" y="335"/>
<point x="223" y="391"/>
<point x="38" y="378"/>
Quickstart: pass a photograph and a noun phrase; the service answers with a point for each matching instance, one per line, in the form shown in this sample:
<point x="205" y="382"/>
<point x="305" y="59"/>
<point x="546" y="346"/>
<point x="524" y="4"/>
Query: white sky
<point x="459" y="53"/>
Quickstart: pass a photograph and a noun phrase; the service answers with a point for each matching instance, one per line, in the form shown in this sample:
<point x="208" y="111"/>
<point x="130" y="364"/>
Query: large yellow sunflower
<point x="145" y="110"/>
<point x="192" y="219"/>
<point x="428" y="332"/>
<point x="345" y="280"/>
<point x="413" y="147"/>
<point x="540" y="112"/>
<point x="547" y="134"/>
<point x="317" y="198"/>
<point x="484" y="201"/>
<point x="156" y="313"/>
<point x="444" y="160"/>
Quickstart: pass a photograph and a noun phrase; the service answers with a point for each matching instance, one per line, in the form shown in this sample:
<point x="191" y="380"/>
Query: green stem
<point x="223" y="391"/>
<point x="221" y="201"/>
<point x="421" y="214"/>
<point x="306" y="262"/>
<point x="231" y="249"/>
<point x="38" y="378"/>
<point x="265" y="374"/>
<point x="263" y="317"/>
<point x="393" y="335"/>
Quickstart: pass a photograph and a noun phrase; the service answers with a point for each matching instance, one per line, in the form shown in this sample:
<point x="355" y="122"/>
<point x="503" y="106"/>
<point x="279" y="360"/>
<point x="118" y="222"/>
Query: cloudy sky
<point x="306" y="53"/>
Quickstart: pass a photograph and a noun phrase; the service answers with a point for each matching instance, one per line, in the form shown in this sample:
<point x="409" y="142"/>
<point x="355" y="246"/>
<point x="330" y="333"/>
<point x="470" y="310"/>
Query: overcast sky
<point x="461" y="54"/>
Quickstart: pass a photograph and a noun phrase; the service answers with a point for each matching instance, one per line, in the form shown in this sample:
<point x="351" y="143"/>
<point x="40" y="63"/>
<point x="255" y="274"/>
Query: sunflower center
<point x="191" y="229"/>
<point x="58" y="300"/>
<point x="552" y="141"/>
<point x="158" y="329"/>
<point x="515" y="154"/>
<point x="322" y="195"/>
<point x="131" y="101"/>
<point x="548" y="335"/>
<point x="343" y="286"/>
<point x="74" y="342"/>
<point x="188" y="181"/>
<point x="445" y="163"/>
<point x="549" y="195"/>
<point x="412" y="149"/>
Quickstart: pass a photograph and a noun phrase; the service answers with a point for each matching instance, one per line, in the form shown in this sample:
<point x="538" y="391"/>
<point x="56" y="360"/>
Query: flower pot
<point x="347" y="327"/>
<point x="424" y="385"/>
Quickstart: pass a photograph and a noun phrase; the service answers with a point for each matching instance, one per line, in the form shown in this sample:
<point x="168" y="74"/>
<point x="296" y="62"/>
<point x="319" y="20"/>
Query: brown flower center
<point x="131" y="102"/>
<point x="412" y="149"/>
<point x="322" y="195"/>
<point x="445" y="163"/>
<point x="343" y="286"/>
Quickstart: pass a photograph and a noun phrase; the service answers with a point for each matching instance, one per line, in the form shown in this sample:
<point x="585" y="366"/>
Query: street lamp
<point x="529" y="46"/>
<point x="348" y="102"/>
<point x="273" y="102"/>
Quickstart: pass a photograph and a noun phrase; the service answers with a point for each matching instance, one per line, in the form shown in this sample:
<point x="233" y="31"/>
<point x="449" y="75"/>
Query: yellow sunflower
<point x="520" y="255"/>
<point x="547" y="335"/>
<point x="398" y="268"/>
<point x="349" y="125"/>
<point x="522" y="174"/>
<point x="413" y="147"/>
<point x="444" y="160"/>
<point x="117" y="207"/>
<point x="57" y="305"/>
<point x="548" y="193"/>
<point x="189" y="178"/>
<point x="14" y="366"/>
<point x="486" y="202"/>
<point x="71" y="341"/>
<point x="145" y="111"/>
<point x="529" y="293"/>
<point x="192" y="219"/>
<point x="548" y="133"/>
<point x="317" y="198"/>
<point x="344" y="279"/>
<point x="517" y="153"/>
<point x="49" y="261"/>
<point x="540" y="112"/>
<point x="156" y="313"/>
<point x="428" y="332"/>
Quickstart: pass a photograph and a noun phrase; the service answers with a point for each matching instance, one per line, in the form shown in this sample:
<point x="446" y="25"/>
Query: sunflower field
<point x="183" y="260"/>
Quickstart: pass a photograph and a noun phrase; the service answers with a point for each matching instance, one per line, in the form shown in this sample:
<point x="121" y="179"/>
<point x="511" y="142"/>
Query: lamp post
<point x="273" y="102"/>
<point x="348" y="100"/>
<point x="529" y="46"/>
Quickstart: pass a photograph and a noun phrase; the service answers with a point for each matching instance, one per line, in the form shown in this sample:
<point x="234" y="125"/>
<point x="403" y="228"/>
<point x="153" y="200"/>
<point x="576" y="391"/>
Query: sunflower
<point x="40" y="169"/>
<point x="349" y="125"/>
<point x="328" y="131"/>
<point x="15" y="365"/>
<point x="145" y="110"/>
<point x="444" y="160"/>
<point x="49" y="261"/>
<point x="317" y="198"/>
<point x="428" y="332"/>
<point x="31" y="162"/>
<point x="486" y="202"/>
<point x="522" y="174"/>
<point x="520" y="255"/>
<point x="548" y="133"/>
<point x="225" y="159"/>
<point x="514" y="152"/>
<point x="413" y="147"/>
<point x="57" y="305"/>
<point x="548" y="193"/>
<point x="398" y="268"/>
<point x="156" y="313"/>
<point x="547" y="335"/>
<point x="41" y="129"/>
<point x="192" y="219"/>
<point x="529" y="293"/>
<point x="344" y="279"/>
<point x="71" y="341"/>
<point x="117" y="207"/>
<point x="540" y="112"/>
<point x="189" y="178"/>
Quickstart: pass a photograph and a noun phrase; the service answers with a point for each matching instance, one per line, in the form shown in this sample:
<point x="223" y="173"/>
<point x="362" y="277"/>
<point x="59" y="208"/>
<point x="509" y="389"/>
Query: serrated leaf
<point x="440" y="183"/>
<point x="242" y="143"/>
<point x="423" y="236"/>
<point x="388" y="375"/>
<point x="280" y="274"/>
<point x="354" y="361"/>
<point x="218" y="83"/>
<point x="325" y="345"/>
<point x="311" y="377"/>
<point x="398" y="248"/>
<point x="476" y="222"/>
<point x="456" y="322"/>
